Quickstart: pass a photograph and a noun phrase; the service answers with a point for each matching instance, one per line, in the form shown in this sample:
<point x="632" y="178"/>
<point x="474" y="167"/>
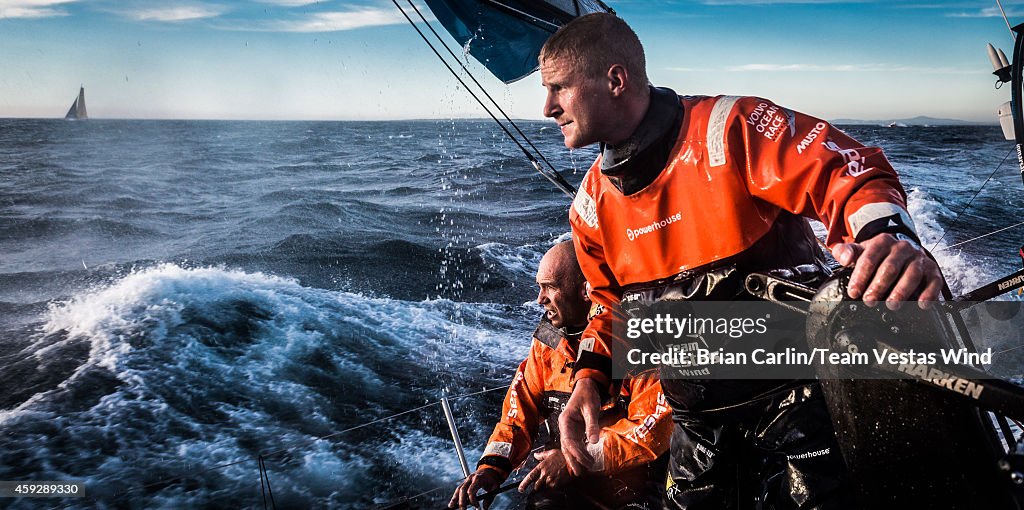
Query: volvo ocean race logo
<point x="633" y="233"/>
<point x="769" y="120"/>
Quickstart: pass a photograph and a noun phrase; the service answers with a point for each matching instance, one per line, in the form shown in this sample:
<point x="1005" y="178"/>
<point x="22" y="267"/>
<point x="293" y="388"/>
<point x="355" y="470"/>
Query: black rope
<point x="558" y="181"/>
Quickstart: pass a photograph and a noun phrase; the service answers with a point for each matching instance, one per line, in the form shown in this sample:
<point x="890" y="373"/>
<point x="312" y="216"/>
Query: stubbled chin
<point x="567" y="134"/>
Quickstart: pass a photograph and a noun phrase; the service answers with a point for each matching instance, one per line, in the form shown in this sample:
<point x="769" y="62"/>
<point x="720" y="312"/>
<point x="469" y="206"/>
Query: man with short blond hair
<point x="602" y="31"/>
<point x="688" y="196"/>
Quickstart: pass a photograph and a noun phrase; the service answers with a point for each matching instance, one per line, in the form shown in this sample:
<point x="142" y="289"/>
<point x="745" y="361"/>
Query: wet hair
<point x="594" y="43"/>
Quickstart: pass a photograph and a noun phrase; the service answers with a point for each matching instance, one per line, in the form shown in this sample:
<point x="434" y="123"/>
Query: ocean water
<point x="178" y="298"/>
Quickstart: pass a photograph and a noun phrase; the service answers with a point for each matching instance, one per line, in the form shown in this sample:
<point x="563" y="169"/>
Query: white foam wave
<point x="963" y="272"/>
<point x="149" y="306"/>
<point x="192" y="383"/>
<point x="521" y="261"/>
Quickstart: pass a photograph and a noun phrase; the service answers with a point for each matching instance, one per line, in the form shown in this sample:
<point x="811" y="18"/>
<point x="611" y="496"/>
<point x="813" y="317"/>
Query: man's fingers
<point x="473" y="489"/>
<point x="530" y="477"/>
<point x="931" y="292"/>
<point x="573" y="448"/>
<point x="846" y="253"/>
<point x="579" y="421"/>
<point x="544" y="454"/>
<point x="543" y="482"/>
<point x="887" y="274"/>
<point x="463" y="497"/>
<point x="906" y="286"/>
<point x="459" y="498"/>
<point x="591" y="418"/>
<point x="864" y="270"/>
<point x="577" y="458"/>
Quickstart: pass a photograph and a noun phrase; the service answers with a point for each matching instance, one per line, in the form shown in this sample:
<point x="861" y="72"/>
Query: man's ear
<point x="618" y="77"/>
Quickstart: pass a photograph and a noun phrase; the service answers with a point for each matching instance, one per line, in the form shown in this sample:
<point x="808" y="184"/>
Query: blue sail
<point x="506" y="35"/>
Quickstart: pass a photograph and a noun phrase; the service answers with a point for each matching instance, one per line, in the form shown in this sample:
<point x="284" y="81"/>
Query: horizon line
<point x="839" y="121"/>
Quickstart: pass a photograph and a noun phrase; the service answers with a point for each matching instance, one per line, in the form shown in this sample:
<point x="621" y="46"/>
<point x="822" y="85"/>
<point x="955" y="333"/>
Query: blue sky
<point x="359" y="59"/>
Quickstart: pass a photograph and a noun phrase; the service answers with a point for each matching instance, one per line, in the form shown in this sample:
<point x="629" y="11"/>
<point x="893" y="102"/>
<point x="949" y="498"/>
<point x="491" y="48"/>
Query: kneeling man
<point x="636" y="423"/>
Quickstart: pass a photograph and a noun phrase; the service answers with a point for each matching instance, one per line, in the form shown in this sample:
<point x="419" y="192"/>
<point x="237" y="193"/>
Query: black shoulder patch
<point x="548" y="334"/>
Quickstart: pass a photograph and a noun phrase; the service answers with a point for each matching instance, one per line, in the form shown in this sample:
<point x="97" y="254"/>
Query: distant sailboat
<point x="77" y="111"/>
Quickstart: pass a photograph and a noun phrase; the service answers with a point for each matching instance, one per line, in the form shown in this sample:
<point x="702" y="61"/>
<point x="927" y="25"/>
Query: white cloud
<point x="776" y="2"/>
<point x="289" y="3"/>
<point x="987" y="12"/>
<point x="31" y="8"/>
<point x="961" y="5"/>
<point x="342" y="20"/>
<point x="171" y="13"/>
<point x="847" y="68"/>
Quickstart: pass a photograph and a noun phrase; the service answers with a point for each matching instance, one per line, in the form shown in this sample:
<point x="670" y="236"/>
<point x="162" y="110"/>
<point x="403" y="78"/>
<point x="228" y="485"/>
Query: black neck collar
<point x="634" y="163"/>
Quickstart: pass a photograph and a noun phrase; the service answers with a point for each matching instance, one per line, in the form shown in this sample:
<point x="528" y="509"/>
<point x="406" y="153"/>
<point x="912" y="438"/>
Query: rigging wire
<point x="982" y="236"/>
<point x="555" y="179"/>
<point x="482" y="497"/>
<point x="551" y="27"/>
<point x="262" y="465"/>
<point x="968" y="206"/>
<point x="1012" y="35"/>
<point x="264" y="475"/>
<point x="484" y="90"/>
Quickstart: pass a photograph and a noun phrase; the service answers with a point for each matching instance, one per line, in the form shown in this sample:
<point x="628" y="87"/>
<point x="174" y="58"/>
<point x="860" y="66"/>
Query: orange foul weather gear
<point x="740" y="170"/>
<point x="636" y="425"/>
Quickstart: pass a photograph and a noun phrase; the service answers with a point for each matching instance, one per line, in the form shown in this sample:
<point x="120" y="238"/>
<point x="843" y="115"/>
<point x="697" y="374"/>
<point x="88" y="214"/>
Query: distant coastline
<point x="913" y="121"/>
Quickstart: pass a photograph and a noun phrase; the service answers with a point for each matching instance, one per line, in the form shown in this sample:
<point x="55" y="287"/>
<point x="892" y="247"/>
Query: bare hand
<point x="465" y="495"/>
<point x="548" y="474"/>
<point x="580" y="416"/>
<point x="886" y="269"/>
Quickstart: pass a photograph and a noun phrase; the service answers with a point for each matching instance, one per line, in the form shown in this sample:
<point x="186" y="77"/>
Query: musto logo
<point x="633" y="233"/>
<point x="811" y="137"/>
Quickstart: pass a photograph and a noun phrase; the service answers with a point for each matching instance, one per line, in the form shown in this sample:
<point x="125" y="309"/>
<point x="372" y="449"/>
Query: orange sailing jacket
<point x="738" y="166"/>
<point x="635" y="427"/>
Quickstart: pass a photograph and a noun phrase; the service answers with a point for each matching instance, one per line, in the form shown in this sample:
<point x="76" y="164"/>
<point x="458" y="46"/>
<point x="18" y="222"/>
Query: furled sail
<point x="77" y="111"/>
<point x="506" y="35"/>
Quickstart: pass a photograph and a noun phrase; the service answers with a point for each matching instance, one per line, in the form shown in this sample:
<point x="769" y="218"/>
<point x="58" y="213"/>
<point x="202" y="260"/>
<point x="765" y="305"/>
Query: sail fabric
<point x="506" y="35"/>
<point x="77" y="110"/>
